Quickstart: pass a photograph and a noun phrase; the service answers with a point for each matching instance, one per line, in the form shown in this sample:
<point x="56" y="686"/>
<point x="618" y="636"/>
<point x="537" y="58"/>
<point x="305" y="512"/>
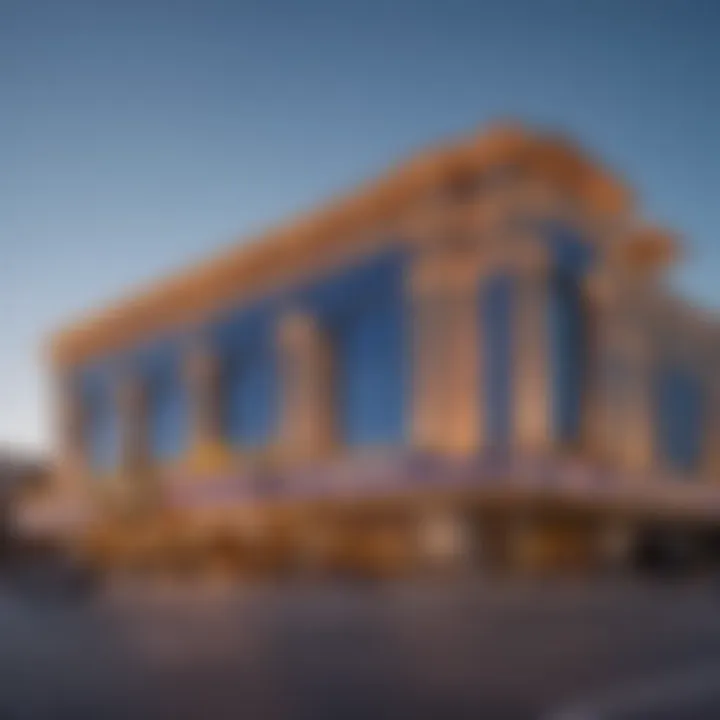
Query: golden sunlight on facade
<point x="474" y="359"/>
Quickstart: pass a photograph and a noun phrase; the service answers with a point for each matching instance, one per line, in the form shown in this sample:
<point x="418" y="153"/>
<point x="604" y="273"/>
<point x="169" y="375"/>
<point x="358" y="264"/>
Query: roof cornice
<point x="247" y="267"/>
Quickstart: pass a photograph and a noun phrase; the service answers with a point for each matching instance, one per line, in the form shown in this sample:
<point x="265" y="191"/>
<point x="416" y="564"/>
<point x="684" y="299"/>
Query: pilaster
<point x="307" y="414"/>
<point x="635" y="414"/>
<point x="602" y="321"/>
<point x="202" y="377"/>
<point x="531" y="350"/>
<point x="443" y="287"/>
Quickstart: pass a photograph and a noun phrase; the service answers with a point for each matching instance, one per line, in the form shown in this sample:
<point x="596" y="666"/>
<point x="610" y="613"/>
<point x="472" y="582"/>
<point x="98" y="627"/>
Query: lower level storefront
<point x="399" y="515"/>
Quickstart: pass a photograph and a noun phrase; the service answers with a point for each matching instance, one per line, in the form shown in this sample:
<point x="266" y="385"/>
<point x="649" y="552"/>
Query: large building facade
<point x="486" y="328"/>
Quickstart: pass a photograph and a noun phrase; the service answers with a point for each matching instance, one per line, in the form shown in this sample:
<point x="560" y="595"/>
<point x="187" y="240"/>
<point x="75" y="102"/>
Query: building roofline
<point x="232" y="272"/>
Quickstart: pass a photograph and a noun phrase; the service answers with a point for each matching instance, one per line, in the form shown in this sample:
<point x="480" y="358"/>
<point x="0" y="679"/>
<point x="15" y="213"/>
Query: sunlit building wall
<point x="502" y="295"/>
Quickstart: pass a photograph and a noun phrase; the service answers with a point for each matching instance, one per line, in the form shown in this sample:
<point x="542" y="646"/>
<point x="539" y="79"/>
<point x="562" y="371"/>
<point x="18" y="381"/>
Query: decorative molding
<point x="279" y="253"/>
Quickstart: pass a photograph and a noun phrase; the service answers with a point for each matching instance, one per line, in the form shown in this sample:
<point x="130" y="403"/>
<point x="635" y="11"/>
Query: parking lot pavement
<point x="416" y="650"/>
<point x="693" y="692"/>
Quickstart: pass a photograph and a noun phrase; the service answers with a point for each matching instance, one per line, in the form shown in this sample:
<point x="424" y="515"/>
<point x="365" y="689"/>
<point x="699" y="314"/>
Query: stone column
<point x="531" y="351"/>
<point x="202" y="378"/>
<point x="427" y="338"/>
<point x="461" y="364"/>
<point x="445" y="350"/>
<point x="307" y="415"/>
<point x="598" y="420"/>
<point x="633" y="415"/>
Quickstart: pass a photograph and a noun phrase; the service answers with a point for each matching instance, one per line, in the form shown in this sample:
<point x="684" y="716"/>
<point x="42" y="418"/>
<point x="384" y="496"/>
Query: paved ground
<point x="466" y="649"/>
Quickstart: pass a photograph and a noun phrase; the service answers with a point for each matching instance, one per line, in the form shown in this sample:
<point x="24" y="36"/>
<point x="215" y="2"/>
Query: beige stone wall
<point x="643" y="328"/>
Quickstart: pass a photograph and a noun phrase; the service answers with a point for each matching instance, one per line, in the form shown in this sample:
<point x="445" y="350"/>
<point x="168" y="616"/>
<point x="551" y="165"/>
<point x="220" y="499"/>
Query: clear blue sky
<point x="137" y="135"/>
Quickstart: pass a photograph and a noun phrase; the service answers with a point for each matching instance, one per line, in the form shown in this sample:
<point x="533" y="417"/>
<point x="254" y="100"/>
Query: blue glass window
<point x="101" y="428"/>
<point x="167" y="412"/>
<point x="680" y="418"/>
<point x="568" y="330"/>
<point x="247" y="396"/>
<point x="496" y="309"/>
<point x="369" y="382"/>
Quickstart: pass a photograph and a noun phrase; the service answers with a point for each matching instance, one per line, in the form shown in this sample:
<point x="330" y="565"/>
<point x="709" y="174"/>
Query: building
<point x="484" y="334"/>
<point x="22" y="475"/>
